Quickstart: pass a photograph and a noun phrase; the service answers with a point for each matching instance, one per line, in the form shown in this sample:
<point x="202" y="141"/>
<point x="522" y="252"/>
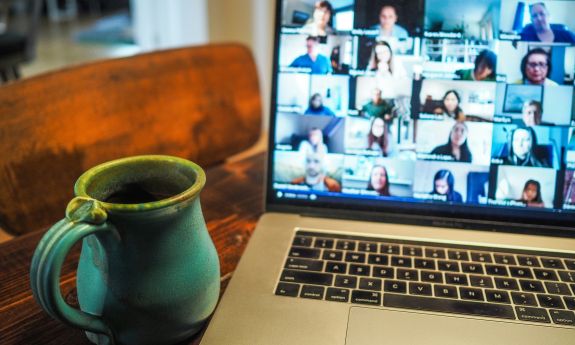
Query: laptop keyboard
<point x="497" y="283"/>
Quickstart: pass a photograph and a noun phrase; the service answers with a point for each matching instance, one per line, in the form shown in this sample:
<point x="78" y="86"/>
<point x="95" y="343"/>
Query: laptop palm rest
<point x="368" y="326"/>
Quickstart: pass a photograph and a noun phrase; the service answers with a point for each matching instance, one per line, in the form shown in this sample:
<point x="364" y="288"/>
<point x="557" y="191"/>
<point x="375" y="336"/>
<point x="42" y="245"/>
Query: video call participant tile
<point x="310" y="133"/>
<point x="378" y="177"/>
<point x="524" y="187"/>
<point x="451" y="182"/>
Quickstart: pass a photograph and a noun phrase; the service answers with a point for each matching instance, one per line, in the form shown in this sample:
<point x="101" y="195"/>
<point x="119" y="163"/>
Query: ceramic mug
<point x="148" y="271"/>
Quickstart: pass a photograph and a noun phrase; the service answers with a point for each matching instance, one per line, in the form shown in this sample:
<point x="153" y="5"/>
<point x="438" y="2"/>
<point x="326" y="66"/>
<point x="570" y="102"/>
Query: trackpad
<point x="368" y="326"/>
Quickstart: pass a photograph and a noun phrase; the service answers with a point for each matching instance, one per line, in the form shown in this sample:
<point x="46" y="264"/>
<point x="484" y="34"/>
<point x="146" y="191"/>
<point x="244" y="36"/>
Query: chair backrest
<point x="21" y="18"/>
<point x="200" y="103"/>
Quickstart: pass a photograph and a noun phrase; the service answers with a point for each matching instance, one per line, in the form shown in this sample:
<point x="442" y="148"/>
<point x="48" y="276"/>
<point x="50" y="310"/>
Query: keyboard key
<point x="345" y="245"/>
<point x="506" y="283"/>
<point x="355" y="257"/>
<point x="404" y="274"/>
<point x="287" y="289"/>
<point x="543" y="274"/>
<point x="304" y="264"/>
<point x="567" y="276"/>
<point x="376" y="259"/>
<point x="472" y="268"/>
<point x="432" y="276"/>
<point x="449" y="306"/>
<point x="523" y="298"/>
<point x="532" y="314"/>
<point x="552" y="263"/>
<point x="504" y="259"/>
<point x="481" y="281"/>
<point x="481" y="257"/>
<point x="394" y="286"/>
<point x="436" y="253"/>
<point x="563" y="317"/>
<point x="337" y="295"/>
<point x="461" y="255"/>
<point x="370" y="284"/>
<point x="306" y="277"/>
<point x="427" y="264"/>
<point x="389" y="249"/>
<point x="366" y="297"/>
<point x="336" y="267"/>
<point x="346" y="281"/>
<point x="367" y="247"/>
<point x="569" y="302"/>
<point x="550" y="301"/>
<point x="450" y="266"/>
<point x="557" y="288"/>
<point x="412" y="251"/>
<point x="332" y="255"/>
<point x="570" y="264"/>
<point x="530" y="261"/>
<point x="471" y="294"/>
<point x="383" y="272"/>
<point x="323" y="243"/>
<point x="455" y="279"/>
<point x="421" y="289"/>
<point x="497" y="296"/>
<point x="400" y="261"/>
<point x="496" y="270"/>
<point x="308" y="253"/>
<point x="531" y="285"/>
<point x="445" y="291"/>
<point x="313" y="292"/>
<point x="302" y="241"/>
<point x="359" y="270"/>
<point x="520" y="272"/>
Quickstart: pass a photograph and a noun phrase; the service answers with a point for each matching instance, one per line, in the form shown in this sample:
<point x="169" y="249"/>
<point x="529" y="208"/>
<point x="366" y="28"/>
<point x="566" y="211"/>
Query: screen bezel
<point x="452" y="216"/>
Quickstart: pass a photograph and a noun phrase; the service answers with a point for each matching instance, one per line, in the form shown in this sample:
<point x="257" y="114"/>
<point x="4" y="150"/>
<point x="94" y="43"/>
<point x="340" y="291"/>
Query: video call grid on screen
<point x="370" y="92"/>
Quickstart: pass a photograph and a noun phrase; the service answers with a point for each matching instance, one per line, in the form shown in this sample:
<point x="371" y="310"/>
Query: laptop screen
<point x="458" y="108"/>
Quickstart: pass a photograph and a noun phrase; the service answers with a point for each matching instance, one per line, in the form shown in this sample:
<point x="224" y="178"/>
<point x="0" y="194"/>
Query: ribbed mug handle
<point x="84" y="217"/>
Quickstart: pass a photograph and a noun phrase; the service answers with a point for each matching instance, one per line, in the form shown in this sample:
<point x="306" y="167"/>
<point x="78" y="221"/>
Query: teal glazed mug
<point x="148" y="271"/>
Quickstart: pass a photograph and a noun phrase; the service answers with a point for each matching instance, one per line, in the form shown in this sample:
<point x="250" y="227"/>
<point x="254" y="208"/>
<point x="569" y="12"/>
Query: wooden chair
<point x="201" y="103"/>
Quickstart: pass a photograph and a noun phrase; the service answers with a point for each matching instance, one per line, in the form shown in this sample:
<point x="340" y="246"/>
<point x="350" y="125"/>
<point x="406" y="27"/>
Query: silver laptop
<point x="420" y="182"/>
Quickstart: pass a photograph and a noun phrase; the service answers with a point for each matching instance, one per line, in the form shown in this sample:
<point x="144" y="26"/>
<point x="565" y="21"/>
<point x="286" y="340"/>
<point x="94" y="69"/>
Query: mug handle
<point x="84" y="217"/>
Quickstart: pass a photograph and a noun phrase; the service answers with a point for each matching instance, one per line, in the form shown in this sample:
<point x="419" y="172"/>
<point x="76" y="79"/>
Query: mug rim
<point x="80" y="187"/>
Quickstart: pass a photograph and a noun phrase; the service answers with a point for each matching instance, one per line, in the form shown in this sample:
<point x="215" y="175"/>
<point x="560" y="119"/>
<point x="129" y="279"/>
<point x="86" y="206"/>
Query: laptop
<point x="420" y="181"/>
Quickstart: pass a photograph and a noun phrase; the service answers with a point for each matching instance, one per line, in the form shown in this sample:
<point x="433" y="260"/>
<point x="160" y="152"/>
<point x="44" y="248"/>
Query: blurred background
<point x="38" y="36"/>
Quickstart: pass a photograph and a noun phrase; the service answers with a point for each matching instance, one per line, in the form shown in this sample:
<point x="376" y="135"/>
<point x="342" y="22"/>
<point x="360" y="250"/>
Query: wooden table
<point x="232" y="202"/>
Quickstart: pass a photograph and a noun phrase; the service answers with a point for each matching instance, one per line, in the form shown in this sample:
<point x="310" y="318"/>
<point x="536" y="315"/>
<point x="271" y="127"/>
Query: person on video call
<point x="379" y="180"/>
<point x="315" y="177"/>
<point x="443" y="182"/>
<point x="377" y="138"/>
<point x="378" y="107"/>
<point x="523" y="142"/>
<point x="540" y="29"/>
<point x="319" y="23"/>
<point x="316" y="106"/>
<point x="569" y="190"/>
<point x="450" y="106"/>
<point x="531" y="195"/>
<point x="531" y="113"/>
<point x="484" y="70"/>
<point x="456" y="146"/>
<point x="314" y="142"/>
<point x="536" y="68"/>
<point x="318" y="63"/>
<point x="388" y="27"/>
<point x="382" y="62"/>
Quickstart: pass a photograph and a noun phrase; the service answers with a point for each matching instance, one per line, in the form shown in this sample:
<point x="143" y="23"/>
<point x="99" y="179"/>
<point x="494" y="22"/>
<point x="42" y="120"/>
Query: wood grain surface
<point x="201" y="103"/>
<point x="232" y="202"/>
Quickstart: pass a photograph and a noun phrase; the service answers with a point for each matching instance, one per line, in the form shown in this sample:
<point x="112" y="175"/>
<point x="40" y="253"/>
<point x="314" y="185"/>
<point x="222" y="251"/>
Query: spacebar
<point x="448" y="306"/>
